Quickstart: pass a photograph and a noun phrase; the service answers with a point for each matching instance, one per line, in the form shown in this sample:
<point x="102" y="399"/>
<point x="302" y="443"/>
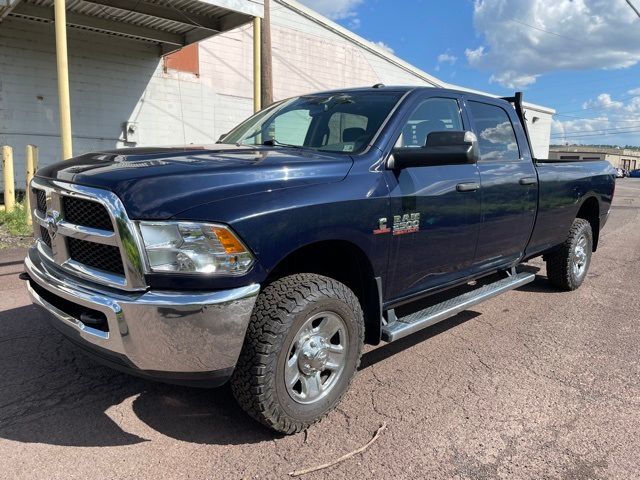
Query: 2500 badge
<point x="402" y="224"/>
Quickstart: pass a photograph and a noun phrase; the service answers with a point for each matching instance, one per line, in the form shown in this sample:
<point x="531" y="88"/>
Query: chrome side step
<point x="429" y="316"/>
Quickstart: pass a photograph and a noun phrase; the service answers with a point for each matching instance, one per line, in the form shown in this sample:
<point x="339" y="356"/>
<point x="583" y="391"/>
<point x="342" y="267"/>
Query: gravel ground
<point x="532" y="384"/>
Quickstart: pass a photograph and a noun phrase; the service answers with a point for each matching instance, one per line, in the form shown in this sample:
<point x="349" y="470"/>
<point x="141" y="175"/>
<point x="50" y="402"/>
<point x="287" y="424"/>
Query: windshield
<point x="336" y="122"/>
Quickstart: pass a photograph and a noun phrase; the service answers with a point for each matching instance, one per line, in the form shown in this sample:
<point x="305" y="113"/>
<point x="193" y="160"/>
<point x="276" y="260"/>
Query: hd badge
<point x="402" y="224"/>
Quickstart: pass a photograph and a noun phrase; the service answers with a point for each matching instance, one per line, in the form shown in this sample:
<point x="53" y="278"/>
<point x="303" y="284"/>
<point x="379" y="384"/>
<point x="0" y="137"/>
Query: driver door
<point x="435" y="210"/>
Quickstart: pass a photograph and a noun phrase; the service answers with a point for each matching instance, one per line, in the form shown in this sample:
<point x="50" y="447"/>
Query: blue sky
<point x="580" y="57"/>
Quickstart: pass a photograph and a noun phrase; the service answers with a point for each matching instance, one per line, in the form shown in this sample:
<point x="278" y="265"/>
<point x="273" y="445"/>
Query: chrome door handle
<point x="528" y="181"/>
<point x="467" y="187"/>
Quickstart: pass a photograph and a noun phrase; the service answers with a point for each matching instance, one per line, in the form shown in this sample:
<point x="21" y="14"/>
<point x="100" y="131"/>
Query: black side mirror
<point x="442" y="148"/>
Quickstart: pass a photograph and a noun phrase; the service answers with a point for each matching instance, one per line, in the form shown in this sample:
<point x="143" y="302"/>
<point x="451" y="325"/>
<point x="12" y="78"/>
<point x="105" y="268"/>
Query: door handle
<point x="528" y="181"/>
<point x="467" y="187"/>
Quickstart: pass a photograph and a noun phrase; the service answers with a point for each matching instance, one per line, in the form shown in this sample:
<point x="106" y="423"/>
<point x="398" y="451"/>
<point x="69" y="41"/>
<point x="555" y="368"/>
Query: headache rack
<point x="517" y="101"/>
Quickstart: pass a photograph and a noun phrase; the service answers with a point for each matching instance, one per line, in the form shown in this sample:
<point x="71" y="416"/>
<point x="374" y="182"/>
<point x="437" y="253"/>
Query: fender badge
<point x="382" y="227"/>
<point x="402" y="224"/>
<point x="407" y="223"/>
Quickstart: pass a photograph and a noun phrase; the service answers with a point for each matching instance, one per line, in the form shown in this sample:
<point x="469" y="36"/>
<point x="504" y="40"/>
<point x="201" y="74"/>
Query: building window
<point x="569" y="157"/>
<point x="591" y="158"/>
<point x="186" y="59"/>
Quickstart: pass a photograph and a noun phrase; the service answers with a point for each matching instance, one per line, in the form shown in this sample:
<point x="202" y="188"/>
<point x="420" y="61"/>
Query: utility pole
<point x="634" y="8"/>
<point x="267" y="58"/>
<point x="63" y="78"/>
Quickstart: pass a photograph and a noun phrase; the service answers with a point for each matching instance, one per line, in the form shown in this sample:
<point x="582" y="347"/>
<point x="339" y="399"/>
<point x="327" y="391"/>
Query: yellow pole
<point x="31" y="167"/>
<point x="63" y="79"/>
<point x="257" y="40"/>
<point x="9" y="185"/>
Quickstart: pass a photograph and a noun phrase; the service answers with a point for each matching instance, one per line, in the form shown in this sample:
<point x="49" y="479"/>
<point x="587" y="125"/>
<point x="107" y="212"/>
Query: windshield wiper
<point x="272" y="142"/>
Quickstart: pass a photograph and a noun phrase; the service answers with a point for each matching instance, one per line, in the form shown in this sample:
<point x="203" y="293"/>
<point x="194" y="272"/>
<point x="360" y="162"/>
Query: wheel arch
<point x="590" y="211"/>
<point x="345" y="262"/>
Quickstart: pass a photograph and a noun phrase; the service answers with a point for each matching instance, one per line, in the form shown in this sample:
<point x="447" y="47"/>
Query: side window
<point x="432" y="115"/>
<point x="496" y="138"/>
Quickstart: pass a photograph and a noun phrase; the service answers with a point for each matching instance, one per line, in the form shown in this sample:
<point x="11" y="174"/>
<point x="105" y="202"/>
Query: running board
<point x="429" y="316"/>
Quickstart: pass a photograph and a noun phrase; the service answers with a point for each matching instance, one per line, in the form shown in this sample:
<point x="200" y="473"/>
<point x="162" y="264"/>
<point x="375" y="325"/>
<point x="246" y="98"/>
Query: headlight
<point x="184" y="247"/>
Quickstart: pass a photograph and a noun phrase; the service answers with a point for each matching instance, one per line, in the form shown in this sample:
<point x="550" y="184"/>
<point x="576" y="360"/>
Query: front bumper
<point x="178" y="337"/>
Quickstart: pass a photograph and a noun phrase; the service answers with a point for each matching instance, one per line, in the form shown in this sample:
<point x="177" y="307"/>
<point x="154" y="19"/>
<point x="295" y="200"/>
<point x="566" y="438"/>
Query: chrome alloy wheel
<point x="316" y="358"/>
<point x="580" y="256"/>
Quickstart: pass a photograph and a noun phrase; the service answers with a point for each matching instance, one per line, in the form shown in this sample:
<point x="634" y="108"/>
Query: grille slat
<point x="102" y="257"/>
<point x="86" y="213"/>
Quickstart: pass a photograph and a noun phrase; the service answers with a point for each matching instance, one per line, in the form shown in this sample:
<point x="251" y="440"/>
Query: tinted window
<point x="432" y="115"/>
<point x="337" y="122"/>
<point x="496" y="138"/>
<point x="291" y="127"/>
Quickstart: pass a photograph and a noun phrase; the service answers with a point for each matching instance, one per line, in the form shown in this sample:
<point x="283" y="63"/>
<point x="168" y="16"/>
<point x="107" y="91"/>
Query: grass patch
<point x="16" y="221"/>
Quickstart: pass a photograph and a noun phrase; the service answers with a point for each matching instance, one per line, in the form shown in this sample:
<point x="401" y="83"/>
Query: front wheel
<point x="301" y="351"/>
<point x="568" y="267"/>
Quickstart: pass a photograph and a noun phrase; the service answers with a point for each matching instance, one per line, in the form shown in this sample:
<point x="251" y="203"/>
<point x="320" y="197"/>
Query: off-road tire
<point x="281" y="308"/>
<point x="559" y="264"/>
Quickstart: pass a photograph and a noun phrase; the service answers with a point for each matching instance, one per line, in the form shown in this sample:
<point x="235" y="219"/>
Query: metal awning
<point x="170" y="23"/>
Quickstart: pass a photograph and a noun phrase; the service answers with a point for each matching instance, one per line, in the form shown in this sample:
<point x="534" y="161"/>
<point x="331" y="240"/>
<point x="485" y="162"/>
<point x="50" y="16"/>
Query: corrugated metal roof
<point x="177" y="22"/>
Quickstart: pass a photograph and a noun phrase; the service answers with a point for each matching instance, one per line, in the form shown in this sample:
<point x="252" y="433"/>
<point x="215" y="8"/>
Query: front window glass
<point x="432" y="115"/>
<point x="335" y="122"/>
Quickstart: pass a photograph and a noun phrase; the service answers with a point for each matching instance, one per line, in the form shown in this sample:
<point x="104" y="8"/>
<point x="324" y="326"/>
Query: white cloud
<point x="523" y="39"/>
<point x="604" y="120"/>
<point x="603" y="101"/>
<point x="384" y="46"/>
<point x="447" y="58"/>
<point x="336" y="9"/>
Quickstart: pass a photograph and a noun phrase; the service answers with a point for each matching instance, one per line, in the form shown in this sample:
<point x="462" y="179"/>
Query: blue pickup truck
<point x="321" y="223"/>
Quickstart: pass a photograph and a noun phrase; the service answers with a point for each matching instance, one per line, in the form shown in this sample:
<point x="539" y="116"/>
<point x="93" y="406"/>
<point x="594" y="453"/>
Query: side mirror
<point x="442" y="148"/>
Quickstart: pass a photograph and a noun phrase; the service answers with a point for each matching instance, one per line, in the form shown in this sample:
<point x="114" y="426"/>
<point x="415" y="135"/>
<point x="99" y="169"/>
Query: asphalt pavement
<point x="533" y="384"/>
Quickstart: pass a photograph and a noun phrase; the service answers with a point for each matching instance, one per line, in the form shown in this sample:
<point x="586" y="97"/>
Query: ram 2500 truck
<point x="319" y="224"/>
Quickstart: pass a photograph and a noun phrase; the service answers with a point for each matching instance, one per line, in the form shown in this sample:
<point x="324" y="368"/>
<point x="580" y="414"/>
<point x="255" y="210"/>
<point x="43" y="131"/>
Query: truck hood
<point x="159" y="183"/>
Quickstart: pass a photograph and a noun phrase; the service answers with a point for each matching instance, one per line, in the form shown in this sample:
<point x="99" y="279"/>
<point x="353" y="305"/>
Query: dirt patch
<point x="8" y="241"/>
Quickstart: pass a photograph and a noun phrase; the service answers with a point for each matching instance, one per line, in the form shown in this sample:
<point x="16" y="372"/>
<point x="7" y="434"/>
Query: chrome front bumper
<point x="180" y="337"/>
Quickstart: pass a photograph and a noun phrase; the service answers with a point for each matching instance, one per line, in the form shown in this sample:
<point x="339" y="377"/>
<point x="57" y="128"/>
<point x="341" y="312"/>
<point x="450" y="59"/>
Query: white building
<point x="124" y="93"/>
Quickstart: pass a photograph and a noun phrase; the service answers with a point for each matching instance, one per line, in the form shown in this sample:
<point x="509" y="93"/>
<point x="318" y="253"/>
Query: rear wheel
<point x="301" y="351"/>
<point x="567" y="268"/>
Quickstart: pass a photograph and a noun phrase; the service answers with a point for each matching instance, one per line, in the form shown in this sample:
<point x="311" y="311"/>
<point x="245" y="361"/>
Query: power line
<point x="543" y="30"/>
<point x="634" y="8"/>
<point x="574" y="117"/>
<point x="599" y="130"/>
<point x="610" y="134"/>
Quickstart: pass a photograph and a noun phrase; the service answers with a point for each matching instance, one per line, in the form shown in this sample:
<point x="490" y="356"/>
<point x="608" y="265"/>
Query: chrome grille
<point x="103" y="257"/>
<point x="46" y="238"/>
<point x="41" y="197"/>
<point x="76" y="230"/>
<point x="84" y="212"/>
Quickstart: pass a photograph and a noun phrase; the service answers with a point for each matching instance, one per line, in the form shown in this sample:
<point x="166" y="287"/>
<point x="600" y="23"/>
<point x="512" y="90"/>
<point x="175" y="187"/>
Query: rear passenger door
<point x="433" y="222"/>
<point x="508" y="185"/>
